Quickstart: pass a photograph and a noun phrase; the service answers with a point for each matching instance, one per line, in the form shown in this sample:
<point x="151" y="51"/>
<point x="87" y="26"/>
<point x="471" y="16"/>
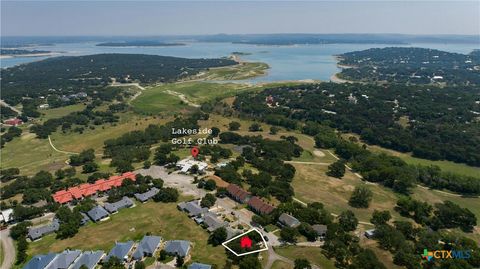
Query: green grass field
<point x="131" y="224"/>
<point x="312" y="254"/>
<point x="158" y="99"/>
<point x="60" y="111"/>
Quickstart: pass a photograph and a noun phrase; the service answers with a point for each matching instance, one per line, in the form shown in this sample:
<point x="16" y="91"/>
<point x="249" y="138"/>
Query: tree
<point x="147" y="164"/>
<point x="22" y="246"/>
<point x="210" y="185"/>
<point x="250" y="262"/>
<point x="347" y="220"/>
<point x="336" y="169"/>
<point x="166" y="195"/>
<point x="288" y="234"/>
<point x="274" y="130"/>
<point x="218" y="236"/>
<point x="113" y="263"/>
<point x="163" y="255"/>
<point x="215" y="131"/>
<point x="180" y="261"/>
<point x="380" y="217"/>
<point x="89" y="167"/>
<point x="255" y="127"/>
<point x="233" y="126"/>
<point x="366" y="259"/>
<point x="208" y="200"/>
<point x="19" y="230"/>
<point x="361" y="197"/>
<point x="139" y="265"/>
<point x="302" y="264"/>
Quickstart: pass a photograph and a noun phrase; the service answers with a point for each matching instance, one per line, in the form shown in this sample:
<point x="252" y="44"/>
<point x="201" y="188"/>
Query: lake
<point x="298" y="62"/>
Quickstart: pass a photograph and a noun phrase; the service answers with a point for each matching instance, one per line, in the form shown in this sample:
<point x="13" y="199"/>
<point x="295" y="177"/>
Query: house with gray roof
<point x="64" y="259"/>
<point x="197" y="265"/>
<point x="143" y="197"/>
<point x="212" y="222"/>
<point x="98" y="213"/>
<point x="320" y="230"/>
<point x="192" y="208"/>
<point x="288" y="220"/>
<point x="35" y="233"/>
<point x="40" y="261"/>
<point x="147" y="247"/>
<point x="88" y="258"/>
<point x="114" y="207"/>
<point x="178" y="247"/>
<point x="120" y="250"/>
<point x="85" y="219"/>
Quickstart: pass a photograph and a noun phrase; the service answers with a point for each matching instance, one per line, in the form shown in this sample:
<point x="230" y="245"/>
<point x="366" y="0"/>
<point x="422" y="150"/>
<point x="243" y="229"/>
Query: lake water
<point x="296" y="62"/>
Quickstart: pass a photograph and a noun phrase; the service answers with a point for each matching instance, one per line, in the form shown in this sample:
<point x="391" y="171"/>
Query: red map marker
<point x="195" y="152"/>
<point x="245" y="242"/>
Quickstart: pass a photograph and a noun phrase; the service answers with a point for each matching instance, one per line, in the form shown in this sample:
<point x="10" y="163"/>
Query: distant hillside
<point x="411" y="66"/>
<point x="80" y="72"/>
<point x="20" y="52"/>
<point x="139" y="44"/>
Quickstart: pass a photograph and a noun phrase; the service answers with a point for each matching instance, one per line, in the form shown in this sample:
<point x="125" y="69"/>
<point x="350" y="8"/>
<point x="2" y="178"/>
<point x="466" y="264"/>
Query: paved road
<point x="3" y="103"/>
<point x="8" y="249"/>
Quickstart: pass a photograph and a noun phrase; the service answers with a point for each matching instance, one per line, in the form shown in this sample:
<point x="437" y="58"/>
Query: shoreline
<point x="30" y="55"/>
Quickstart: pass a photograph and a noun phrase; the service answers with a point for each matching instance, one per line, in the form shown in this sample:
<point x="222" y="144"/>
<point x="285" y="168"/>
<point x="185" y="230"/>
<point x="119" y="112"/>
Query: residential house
<point x="288" y="221"/>
<point x="40" y="261"/>
<point x="259" y="206"/>
<point x="143" y="197"/>
<point x="114" y="207"/>
<point x="98" y="213"/>
<point x="320" y="230"/>
<point x="212" y="222"/>
<point x="6" y="216"/>
<point x="14" y="122"/>
<point x="238" y="194"/>
<point x="197" y="265"/>
<point x="64" y="259"/>
<point x="178" y="247"/>
<point x="89" y="259"/>
<point x="85" y="219"/>
<point x="35" y="233"/>
<point x="193" y="208"/>
<point x="147" y="247"/>
<point x="121" y="251"/>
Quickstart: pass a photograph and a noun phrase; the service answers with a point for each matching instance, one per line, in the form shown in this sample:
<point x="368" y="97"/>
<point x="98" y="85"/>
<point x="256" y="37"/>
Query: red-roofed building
<point x="237" y="193"/>
<point x="259" y="206"/>
<point x="14" y="122"/>
<point x="85" y="189"/>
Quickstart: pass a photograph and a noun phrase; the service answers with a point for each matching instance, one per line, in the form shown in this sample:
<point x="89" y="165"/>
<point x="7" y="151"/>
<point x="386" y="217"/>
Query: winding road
<point x="8" y="249"/>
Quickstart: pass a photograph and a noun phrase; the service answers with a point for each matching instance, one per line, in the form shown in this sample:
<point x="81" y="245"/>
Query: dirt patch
<point x="318" y="153"/>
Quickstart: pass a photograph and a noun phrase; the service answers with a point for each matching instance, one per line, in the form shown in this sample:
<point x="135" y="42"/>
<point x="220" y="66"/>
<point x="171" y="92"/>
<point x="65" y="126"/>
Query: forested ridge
<point x="411" y="66"/>
<point x="60" y="74"/>
<point x="440" y="125"/>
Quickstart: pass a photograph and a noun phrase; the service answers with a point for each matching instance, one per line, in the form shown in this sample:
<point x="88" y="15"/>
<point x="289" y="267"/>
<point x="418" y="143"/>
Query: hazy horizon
<point x="165" y="18"/>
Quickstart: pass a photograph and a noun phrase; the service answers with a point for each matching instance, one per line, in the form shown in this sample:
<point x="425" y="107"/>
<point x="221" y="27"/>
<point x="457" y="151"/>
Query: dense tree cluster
<point x="64" y="74"/>
<point x="405" y="241"/>
<point x="75" y="121"/>
<point x="268" y="157"/>
<point x="443" y="215"/>
<point x="135" y="146"/>
<point x="411" y="65"/>
<point x="9" y="135"/>
<point x="431" y="122"/>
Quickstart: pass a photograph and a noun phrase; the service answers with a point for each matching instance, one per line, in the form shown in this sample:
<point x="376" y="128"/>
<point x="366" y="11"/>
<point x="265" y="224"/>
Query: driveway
<point x="8" y="249"/>
<point x="181" y="182"/>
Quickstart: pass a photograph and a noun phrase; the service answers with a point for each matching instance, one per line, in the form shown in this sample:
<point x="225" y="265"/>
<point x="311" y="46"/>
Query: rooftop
<point x="178" y="247"/>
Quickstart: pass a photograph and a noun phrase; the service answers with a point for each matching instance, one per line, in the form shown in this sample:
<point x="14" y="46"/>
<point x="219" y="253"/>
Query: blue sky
<point x="236" y="17"/>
